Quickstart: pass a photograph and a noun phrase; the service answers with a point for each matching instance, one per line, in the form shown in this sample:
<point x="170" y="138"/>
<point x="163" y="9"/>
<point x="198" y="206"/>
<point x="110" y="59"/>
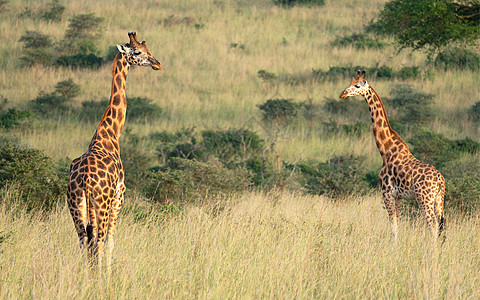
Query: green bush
<point x="474" y="112"/>
<point x="336" y="72"/>
<point x="357" y="129"/>
<point x="279" y="110"/>
<point x="338" y="177"/>
<point x="67" y="88"/>
<point x="80" y="61"/>
<point x="35" y="40"/>
<point x="142" y="108"/>
<point x="463" y="193"/>
<point x="457" y="58"/>
<point x="359" y="41"/>
<point x="409" y="72"/>
<point x="183" y="181"/>
<point x="411" y="107"/>
<point x="232" y="147"/>
<point x="13" y="117"/>
<point x="289" y="3"/>
<point x="266" y="75"/>
<point x="179" y="144"/>
<point x="436" y="149"/>
<point x="32" y="175"/>
<point x="49" y="104"/>
<point x="54" y="12"/>
<point x="356" y="110"/>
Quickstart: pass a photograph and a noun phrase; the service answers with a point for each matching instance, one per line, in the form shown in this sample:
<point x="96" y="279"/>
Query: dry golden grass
<point x="274" y="245"/>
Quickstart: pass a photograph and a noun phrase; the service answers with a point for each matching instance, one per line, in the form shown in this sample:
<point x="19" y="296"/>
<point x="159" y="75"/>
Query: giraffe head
<point x="358" y="86"/>
<point x="137" y="53"/>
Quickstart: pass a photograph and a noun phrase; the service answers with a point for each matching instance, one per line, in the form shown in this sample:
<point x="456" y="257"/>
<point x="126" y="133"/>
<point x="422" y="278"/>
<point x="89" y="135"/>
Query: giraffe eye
<point x="137" y="52"/>
<point x="357" y="86"/>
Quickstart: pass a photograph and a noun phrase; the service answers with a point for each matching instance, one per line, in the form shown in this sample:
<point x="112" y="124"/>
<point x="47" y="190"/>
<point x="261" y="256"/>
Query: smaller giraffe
<point x="402" y="175"/>
<point x="96" y="188"/>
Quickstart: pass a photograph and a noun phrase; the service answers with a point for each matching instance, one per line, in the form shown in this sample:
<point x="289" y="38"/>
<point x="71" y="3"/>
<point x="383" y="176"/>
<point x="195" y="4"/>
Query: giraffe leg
<point x="115" y="209"/>
<point x="391" y="206"/>
<point x="427" y="206"/>
<point x="77" y="206"/>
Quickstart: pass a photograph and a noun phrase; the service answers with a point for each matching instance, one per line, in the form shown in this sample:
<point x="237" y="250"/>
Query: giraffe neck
<point x="111" y="124"/>
<point x="385" y="136"/>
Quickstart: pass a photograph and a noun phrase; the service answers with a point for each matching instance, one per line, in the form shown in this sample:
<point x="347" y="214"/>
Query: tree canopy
<point x="429" y="24"/>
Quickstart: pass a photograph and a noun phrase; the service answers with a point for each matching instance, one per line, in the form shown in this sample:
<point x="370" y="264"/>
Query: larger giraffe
<point x="95" y="190"/>
<point x="402" y="175"/>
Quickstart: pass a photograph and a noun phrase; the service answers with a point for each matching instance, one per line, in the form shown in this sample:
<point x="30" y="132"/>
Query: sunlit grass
<point x="274" y="245"/>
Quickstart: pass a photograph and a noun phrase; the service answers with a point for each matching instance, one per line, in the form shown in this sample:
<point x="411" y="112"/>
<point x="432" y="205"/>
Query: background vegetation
<point x="240" y="144"/>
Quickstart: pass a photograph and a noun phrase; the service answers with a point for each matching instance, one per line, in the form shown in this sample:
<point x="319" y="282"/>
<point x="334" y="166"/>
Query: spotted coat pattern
<point x="402" y="175"/>
<point x="96" y="185"/>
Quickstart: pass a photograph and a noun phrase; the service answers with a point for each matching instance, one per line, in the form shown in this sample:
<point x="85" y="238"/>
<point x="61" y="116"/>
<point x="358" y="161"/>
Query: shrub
<point x="79" y="42"/>
<point x="457" y="58"/>
<point x="474" y="112"/>
<point x="436" y="149"/>
<point x="142" y="108"/>
<point x="266" y="75"/>
<point x="33" y="176"/>
<point x="279" y="109"/>
<point x="54" y="13"/>
<point x="179" y="144"/>
<point x="411" y="107"/>
<point x="67" y="88"/>
<point x="356" y="110"/>
<point x="357" y="129"/>
<point x="35" y="40"/>
<point x="335" y="72"/>
<point x="409" y="72"/>
<point x="112" y="51"/>
<point x="184" y="181"/>
<point x="13" y="117"/>
<point x="463" y="193"/>
<point x="359" y="41"/>
<point x="136" y="157"/>
<point x="47" y="105"/>
<point x="338" y="177"/>
<point x="232" y="147"/>
<point x="289" y="3"/>
<point x="80" y="61"/>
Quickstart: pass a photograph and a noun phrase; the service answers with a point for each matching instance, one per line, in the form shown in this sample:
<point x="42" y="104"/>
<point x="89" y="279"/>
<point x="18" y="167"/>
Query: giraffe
<point x="95" y="190"/>
<point x="402" y="175"/>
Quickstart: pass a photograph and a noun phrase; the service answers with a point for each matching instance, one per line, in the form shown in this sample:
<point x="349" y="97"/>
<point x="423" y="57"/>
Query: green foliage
<point x="338" y="177"/>
<point x="335" y="73"/>
<point x="91" y="110"/>
<point x="408" y="72"/>
<point x="354" y="109"/>
<point x="84" y="26"/>
<point x="457" y="58"/>
<point x="112" y="51"/>
<point x="54" y="12"/>
<point x="179" y="144"/>
<point x="474" y="112"/>
<point x="32" y="174"/>
<point x="142" y="108"/>
<point x="359" y="41"/>
<point x="429" y="24"/>
<point x="184" y="181"/>
<point x="13" y="117"/>
<point x="67" y="88"/>
<point x="463" y="193"/>
<point x="290" y="3"/>
<point x="411" y="107"/>
<point x="436" y="149"/>
<point x="357" y="129"/>
<point x="232" y="147"/>
<point x="35" y="40"/>
<point x="48" y="104"/>
<point x="78" y="46"/>
<point x="80" y="61"/>
<point x="266" y="75"/>
<point x="279" y="110"/>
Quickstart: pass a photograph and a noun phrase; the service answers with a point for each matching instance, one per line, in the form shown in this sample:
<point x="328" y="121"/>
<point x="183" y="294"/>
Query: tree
<point x="429" y="24"/>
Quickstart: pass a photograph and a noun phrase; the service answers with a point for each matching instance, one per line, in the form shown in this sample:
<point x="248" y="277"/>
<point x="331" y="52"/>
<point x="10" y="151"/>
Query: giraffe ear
<point x="121" y="48"/>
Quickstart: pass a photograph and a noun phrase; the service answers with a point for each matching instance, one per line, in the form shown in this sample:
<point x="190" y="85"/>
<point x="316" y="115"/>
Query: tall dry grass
<point x="274" y="245"/>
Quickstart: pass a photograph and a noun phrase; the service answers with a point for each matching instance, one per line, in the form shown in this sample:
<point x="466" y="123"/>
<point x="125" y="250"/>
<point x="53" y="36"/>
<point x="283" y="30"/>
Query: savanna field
<point x="246" y="176"/>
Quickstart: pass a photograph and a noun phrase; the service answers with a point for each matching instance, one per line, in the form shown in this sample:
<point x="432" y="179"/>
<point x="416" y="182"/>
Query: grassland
<point x="275" y="245"/>
<point x="255" y="245"/>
